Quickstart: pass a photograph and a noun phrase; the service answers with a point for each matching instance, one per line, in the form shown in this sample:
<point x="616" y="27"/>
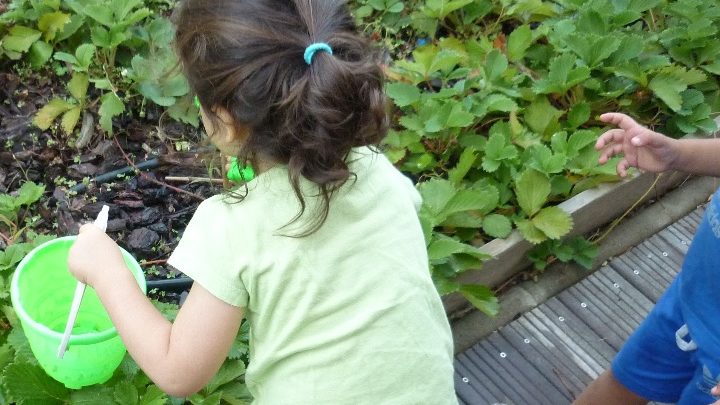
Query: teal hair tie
<point x="312" y="48"/>
<point x="238" y="174"/>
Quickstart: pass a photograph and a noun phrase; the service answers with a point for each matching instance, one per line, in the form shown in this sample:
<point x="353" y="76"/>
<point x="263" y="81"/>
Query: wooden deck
<point x="549" y="354"/>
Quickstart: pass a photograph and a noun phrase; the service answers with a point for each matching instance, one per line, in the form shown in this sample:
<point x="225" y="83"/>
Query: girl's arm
<point x="180" y="357"/>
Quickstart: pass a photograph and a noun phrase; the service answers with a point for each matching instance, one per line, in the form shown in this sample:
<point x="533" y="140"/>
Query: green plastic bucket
<point x="42" y="291"/>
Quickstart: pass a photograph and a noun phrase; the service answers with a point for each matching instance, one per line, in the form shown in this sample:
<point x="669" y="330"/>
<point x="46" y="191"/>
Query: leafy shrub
<point x="104" y="44"/>
<point x="496" y="104"/>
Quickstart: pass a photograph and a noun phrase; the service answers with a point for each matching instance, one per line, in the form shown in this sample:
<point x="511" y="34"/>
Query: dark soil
<point x="147" y="213"/>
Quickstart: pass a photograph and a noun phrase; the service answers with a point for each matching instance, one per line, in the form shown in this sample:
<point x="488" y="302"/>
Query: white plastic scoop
<point x="100" y="222"/>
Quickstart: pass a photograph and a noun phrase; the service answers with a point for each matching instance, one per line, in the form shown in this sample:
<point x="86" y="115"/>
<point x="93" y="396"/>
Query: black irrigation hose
<point x="174" y="284"/>
<point x="113" y="175"/>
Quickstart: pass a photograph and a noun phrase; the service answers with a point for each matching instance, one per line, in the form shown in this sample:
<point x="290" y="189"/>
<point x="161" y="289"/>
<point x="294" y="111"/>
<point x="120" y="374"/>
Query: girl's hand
<point x="641" y="147"/>
<point x="93" y="253"/>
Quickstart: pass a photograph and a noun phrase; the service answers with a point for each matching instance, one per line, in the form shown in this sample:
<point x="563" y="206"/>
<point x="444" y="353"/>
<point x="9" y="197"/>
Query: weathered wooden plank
<point x="549" y="354"/>
<point x="574" y="321"/>
<point x="608" y="307"/>
<point x="596" y="319"/>
<point x="515" y="391"/>
<point x="660" y="269"/>
<point x="641" y="303"/>
<point x="469" y="388"/>
<point x="554" y="350"/>
<point x="571" y="337"/>
<point x="524" y="371"/>
<point x="565" y="344"/>
<point x="467" y="368"/>
<point x="533" y="352"/>
<point x="672" y="237"/>
<point x="657" y="274"/>
<point x="623" y="308"/>
<point x="637" y="275"/>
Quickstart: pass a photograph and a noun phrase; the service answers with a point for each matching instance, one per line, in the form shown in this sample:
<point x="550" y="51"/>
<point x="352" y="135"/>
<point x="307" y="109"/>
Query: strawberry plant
<point x="494" y="115"/>
<point x="506" y="94"/>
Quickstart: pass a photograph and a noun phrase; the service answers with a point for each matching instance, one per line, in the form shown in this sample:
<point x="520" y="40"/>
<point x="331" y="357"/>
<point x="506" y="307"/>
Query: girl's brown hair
<point x="246" y="56"/>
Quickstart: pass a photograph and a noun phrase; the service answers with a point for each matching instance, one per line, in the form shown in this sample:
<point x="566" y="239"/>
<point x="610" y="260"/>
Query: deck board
<point x="549" y="354"/>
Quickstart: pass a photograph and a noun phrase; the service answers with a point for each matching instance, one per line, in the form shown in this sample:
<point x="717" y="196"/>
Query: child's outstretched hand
<point x="641" y="147"/>
<point x="93" y="253"/>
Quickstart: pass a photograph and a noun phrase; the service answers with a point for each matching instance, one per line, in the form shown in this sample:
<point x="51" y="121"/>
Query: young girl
<point x="674" y="355"/>
<point x="322" y="251"/>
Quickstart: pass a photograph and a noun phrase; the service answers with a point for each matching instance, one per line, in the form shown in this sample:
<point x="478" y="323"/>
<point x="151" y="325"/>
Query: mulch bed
<point x="147" y="213"/>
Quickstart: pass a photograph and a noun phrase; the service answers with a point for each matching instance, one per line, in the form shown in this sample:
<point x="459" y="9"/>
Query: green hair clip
<point x="196" y="101"/>
<point x="238" y="174"/>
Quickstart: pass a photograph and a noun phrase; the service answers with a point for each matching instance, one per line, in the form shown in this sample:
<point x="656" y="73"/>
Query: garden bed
<point x="590" y="210"/>
<point x="495" y="116"/>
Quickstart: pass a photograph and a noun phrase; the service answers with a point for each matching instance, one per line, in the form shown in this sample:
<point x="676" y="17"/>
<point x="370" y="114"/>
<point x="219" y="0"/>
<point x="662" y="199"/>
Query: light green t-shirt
<point x="347" y="315"/>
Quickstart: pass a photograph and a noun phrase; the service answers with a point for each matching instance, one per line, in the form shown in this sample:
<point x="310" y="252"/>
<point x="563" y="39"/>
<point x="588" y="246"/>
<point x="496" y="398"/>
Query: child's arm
<point x="655" y="152"/>
<point x="180" y="357"/>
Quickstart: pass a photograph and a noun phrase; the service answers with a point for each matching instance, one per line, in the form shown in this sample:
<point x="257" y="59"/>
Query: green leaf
<point x="28" y="383"/>
<point x="70" y="119"/>
<point x="518" y="42"/>
<point x="553" y="222"/>
<point x="530" y="232"/>
<point x="65" y="57"/>
<point x="110" y="106"/>
<point x="431" y="59"/>
<point x="449" y="115"/>
<point x="562" y="75"/>
<point x="46" y="115"/>
<point x="499" y="102"/>
<point x="495" y="65"/>
<point x="593" y="48"/>
<point x="214" y="399"/>
<point x="184" y="110"/>
<point x="481" y="297"/>
<point x="671" y="82"/>
<point x="470" y="199"/>
<point x="584" y="252"/>
<point x="100" y="13"/>
<point x="229" y="371"/>
<point x="52" y="23"/>
<point x="497" y="226"/>
<point x="578" y="114"/>
<point x="76" y="21"/>
<point x="29" y="193"/>
<point x="669" y="90"/>
<point x="101" y="37"/>
<point x="532" y="189"/>
<point x="465" y="163"/>
<point x="436" y="193"/>
<point x="78" y="85"/>
<point x="161" y="32"/>
<point x="497" y="150"/>
<point x="443" y="246"/>
<point x="40" y="53"/>
<point x="153" y="396"/>
<point x="20" y="38"/>
<point x="126" y="393"/>
<point x="403" y="94"/>
<point x="542" y="117"/>
<point x="579" y="140"/>
<point x="84" y="54"/>
<point x="440" y="9"/>
<point x="543" y="160"/>
<point x="92" y="395"/>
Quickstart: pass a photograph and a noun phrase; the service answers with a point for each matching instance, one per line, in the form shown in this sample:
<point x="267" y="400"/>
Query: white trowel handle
<point x="100" y="222"/>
